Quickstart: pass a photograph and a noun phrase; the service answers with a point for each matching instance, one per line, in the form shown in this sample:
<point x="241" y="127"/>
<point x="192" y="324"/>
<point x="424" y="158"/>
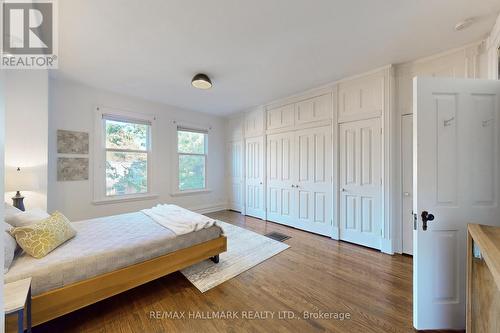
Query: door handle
<point x="426" y="217"/>
<point x="293" y="185"/>
<point x="343" y="190"/>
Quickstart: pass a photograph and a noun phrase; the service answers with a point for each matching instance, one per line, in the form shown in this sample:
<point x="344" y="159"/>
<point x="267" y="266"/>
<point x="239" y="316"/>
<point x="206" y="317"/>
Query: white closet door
<point x="236" y="176"/>
<point x="313" y="185"/>
<point x="280" y="164"/>
<point x="360" y="182"/>
<point x="255" y="177"/>
<point x="407" y="177"/>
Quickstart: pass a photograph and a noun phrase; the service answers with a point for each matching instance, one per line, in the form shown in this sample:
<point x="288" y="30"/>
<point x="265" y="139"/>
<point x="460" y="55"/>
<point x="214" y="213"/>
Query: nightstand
<point x="17" y="297"/>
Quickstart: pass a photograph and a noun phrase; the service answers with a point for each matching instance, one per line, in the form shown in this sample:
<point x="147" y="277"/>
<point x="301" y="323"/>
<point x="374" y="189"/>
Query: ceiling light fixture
<point x="201" y="81"/>
<point x="464" y="24"/>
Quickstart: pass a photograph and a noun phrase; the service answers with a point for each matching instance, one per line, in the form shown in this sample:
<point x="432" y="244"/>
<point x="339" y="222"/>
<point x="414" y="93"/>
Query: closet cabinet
<point x="319" y="161"/>
<point x="282" y="117"/>
<point x="313" y="109"/>
<point x="299" y="179"/>
<point x="254" y="132"/>
<point x="365" y="128"/>
<point x="254" y="124"/>
<point x="295" y="115"/>
<point x="362" y="98"/>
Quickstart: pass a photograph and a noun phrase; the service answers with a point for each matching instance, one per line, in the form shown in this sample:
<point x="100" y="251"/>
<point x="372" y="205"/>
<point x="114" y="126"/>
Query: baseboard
<point x="209" y="208"/>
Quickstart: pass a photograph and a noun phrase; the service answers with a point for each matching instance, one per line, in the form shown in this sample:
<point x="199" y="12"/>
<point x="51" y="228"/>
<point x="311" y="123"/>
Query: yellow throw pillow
<point x="42" y="237"/>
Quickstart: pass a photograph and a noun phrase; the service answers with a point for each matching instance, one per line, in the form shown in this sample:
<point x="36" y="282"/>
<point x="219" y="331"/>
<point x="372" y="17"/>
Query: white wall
<point x="2" y="167"/>
<point x="72" y="107"/>
<point x="26" y="132"/>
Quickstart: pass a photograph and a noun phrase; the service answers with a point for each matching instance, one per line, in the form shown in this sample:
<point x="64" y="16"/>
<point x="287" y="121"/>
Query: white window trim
<point x="176" y="192"/>
<point x="99" y="178"/>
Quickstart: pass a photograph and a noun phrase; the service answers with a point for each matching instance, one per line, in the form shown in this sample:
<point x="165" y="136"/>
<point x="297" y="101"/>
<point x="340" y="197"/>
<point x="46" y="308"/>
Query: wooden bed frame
<point x="58" y="302"/>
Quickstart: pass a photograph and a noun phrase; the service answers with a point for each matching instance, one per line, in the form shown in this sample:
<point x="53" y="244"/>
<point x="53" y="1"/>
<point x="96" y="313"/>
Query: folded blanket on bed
<point x="179" y="220"/>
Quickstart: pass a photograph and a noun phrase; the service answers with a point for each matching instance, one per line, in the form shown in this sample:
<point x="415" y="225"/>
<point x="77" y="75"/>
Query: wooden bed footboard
<point x="58" y="302"/>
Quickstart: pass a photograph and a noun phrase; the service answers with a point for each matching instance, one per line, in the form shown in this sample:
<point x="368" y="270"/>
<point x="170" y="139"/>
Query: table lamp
<point x="19" y="180"/>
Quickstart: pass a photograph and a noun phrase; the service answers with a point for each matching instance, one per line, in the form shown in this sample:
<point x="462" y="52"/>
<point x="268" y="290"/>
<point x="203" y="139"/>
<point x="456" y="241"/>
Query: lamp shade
<point x="20" y="179"/>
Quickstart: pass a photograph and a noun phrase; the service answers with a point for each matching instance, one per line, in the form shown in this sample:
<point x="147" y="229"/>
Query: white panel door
<point x="254" y="182"/>
<point x="313" y="185"/>
<point x="237" y="181"/>
<point x="360" y="182"/>
<point x="280" y="175"/>
<point x="407" y="180"/>
<point x="456" y="179"/>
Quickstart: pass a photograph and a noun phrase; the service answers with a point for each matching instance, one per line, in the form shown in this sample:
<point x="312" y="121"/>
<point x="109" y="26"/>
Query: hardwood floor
<point x="316" y="274"/>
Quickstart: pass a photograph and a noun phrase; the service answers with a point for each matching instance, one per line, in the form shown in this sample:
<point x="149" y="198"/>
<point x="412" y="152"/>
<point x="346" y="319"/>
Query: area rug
<point x="245" y="249"/>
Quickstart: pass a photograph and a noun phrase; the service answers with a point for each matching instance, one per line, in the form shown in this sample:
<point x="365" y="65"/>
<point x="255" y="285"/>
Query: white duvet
<point x="179" y="220"/>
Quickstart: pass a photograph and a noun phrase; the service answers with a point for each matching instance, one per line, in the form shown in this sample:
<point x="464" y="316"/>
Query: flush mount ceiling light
<point x="465" y="23"/>
<point x="201" y="81"/>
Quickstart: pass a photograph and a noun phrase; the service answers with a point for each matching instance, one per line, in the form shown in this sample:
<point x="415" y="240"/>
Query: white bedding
<point x="103" y="245"/>
<point x="179" y="220"/>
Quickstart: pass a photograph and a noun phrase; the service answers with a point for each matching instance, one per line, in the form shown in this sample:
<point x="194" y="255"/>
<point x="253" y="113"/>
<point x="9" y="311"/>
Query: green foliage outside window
<point x="126" y="158"/>
<point x="192" y="149"/>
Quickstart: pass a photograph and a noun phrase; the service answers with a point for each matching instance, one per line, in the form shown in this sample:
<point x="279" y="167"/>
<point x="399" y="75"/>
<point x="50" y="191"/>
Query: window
<point x="127" y="155"/>
<point x="192" y="153"/>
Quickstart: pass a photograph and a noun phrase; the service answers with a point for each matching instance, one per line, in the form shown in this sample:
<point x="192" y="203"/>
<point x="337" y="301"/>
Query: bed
<point x="109" y="255"/>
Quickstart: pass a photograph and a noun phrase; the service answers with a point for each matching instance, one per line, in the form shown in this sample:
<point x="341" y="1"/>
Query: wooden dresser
<point x="483" y="279"/>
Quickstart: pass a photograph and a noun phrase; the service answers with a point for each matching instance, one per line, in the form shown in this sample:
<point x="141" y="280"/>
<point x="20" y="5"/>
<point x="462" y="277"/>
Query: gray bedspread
<point x="100" y="246"/>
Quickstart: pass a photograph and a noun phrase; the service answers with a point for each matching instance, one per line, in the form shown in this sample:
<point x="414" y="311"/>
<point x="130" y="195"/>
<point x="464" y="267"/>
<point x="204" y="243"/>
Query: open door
<point x="456" y="182"/>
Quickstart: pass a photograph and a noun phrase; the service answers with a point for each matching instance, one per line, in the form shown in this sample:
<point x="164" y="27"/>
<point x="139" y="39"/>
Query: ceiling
<point x="255" y="51"/>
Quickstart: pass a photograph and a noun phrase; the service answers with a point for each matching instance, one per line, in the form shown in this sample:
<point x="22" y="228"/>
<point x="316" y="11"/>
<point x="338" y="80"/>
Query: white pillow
<point x="26" y="218"/>
<point x="10" y="246"/>
<point x="10" y="211"/>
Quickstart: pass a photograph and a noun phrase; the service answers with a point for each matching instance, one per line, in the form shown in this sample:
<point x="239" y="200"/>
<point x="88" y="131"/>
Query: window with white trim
<point x="127" y="150"/>
<point x="192" y="158"/>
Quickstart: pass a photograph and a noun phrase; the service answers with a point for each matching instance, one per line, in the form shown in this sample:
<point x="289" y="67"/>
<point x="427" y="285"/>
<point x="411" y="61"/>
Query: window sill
<point x="190" y="192"/>
<point x="125" y="199"/>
